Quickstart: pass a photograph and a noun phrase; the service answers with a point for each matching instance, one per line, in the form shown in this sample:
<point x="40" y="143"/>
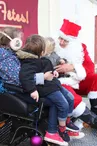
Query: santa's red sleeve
<point x="87" y="63"/>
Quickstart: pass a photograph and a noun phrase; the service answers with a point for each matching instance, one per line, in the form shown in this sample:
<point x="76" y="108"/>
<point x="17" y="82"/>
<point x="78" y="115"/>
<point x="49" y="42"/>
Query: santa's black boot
<point x="93" y="103"/>
<point x="89" y="118"/>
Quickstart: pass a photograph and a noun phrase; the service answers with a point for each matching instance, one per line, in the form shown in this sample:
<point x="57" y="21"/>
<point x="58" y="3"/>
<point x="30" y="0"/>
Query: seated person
<point x="80" y="111"/>
<point x="56" y="60"/>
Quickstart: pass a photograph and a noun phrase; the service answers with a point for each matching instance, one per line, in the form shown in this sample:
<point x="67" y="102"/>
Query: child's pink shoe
<point x="55" y="138"/>
<point x="76" y="135"/>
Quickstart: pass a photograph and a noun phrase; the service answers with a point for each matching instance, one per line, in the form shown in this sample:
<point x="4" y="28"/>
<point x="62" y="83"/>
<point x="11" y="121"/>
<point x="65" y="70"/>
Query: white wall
<point x="43" y="17"/>
<point x="48" y="17"/>
<point x="85" y="13"/>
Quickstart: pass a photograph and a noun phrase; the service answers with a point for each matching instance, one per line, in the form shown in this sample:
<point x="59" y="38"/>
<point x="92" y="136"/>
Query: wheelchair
<point x="20" y="122"/>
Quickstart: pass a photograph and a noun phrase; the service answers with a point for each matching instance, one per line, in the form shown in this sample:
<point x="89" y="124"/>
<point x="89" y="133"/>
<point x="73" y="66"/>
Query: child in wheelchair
<point x="10" y="67"/>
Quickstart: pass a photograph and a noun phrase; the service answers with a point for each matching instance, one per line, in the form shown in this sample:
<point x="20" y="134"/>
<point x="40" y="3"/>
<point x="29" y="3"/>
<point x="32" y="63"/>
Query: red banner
<point x="21" y="14"/>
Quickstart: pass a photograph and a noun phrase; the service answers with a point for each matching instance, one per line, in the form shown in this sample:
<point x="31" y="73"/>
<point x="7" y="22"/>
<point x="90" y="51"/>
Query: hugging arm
<point x="27" y="80"/>
<point x="26" y="76"/>
<point x="40" y="77"/>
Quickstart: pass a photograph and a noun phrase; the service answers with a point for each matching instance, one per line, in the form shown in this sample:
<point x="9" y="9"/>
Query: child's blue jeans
<point x="64" y="102"/>
<point x="60" y="104"/>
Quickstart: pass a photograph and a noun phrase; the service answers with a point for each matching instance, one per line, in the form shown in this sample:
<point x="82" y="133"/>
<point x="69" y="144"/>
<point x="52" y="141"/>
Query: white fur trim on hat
<point x="79" y="110"/>
<point x="66" y="37"/>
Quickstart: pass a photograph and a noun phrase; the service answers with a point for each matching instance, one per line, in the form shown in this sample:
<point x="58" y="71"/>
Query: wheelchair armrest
<point x="12" y="104"/>
<point x="18" y="97"/>
<point x="12" y="87"/>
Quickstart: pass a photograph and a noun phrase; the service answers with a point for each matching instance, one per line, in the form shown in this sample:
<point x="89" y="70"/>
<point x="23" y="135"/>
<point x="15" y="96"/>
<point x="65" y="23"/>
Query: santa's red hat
<point x="69" y="30"/>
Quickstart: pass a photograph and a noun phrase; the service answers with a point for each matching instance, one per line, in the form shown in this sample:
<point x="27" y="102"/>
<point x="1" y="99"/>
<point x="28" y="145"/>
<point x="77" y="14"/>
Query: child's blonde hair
<point x="50" y="45"/>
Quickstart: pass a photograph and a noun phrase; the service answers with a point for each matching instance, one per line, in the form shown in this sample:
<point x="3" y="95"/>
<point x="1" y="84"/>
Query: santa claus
<point x="84" y="80"/>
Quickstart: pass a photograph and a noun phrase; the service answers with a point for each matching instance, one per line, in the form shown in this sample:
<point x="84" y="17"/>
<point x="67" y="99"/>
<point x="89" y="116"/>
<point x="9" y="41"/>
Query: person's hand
<point x="35" y="95"/>
<point x="48" y="76"/>
<point x="55" y="73"/>
<point x="62" y="61"/>
<point x="64" y="68"/>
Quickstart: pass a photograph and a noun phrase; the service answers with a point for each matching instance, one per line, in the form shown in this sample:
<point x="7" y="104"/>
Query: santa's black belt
<point x="64" y="75"/>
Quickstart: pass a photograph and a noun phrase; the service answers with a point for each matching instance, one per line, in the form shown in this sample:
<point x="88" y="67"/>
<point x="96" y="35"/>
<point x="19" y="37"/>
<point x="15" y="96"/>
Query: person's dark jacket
<point x="31" y="66"/>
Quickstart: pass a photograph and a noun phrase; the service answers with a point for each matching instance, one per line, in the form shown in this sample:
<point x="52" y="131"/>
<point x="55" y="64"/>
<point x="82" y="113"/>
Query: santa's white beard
<point x="73" y="52"/>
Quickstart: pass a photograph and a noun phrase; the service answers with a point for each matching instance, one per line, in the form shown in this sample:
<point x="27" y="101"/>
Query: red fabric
<point x="88" y="64"/>
<point x="90" y="82"/>
<point x="77" y="98"/>
<point x="68" y="120"/>
<point x="70" y="28"/>
<point x="87" y="85"/>
<point x="62" y="128"/>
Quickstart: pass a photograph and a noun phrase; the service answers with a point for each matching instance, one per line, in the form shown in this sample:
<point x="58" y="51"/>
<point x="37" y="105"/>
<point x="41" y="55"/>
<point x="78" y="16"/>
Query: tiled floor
<point x="90" y="138"/>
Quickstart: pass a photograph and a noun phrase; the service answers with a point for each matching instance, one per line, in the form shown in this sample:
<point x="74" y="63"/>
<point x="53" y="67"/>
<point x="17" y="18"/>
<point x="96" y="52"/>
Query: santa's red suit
<point x="84" y="82"/>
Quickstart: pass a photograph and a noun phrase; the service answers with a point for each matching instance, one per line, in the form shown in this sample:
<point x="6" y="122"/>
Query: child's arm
<point x="40" y="77"/>
<point x="26" y="76"/>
